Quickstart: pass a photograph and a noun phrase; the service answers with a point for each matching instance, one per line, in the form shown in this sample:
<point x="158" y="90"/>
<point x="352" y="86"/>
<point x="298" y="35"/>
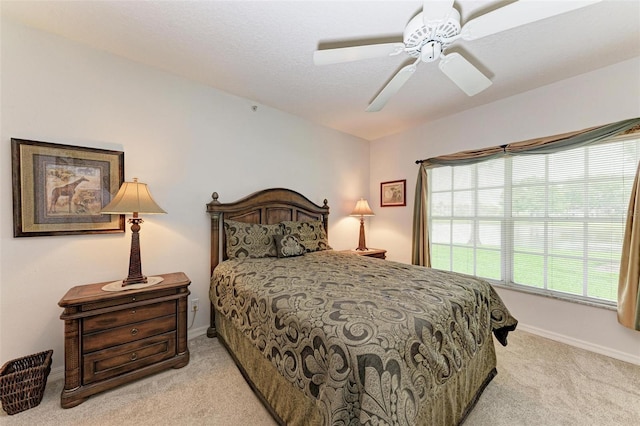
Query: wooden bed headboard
<point x="269" y="206"/>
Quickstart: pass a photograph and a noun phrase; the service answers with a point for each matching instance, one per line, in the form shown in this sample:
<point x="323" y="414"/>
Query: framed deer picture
<point x="60" y="189"/>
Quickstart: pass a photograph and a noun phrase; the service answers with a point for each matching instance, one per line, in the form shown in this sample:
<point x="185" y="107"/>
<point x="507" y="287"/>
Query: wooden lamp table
<point x="115" y="337"/>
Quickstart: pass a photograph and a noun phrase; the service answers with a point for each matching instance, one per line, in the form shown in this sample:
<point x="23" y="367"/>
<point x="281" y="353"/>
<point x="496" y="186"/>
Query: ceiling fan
<point x="428" y="35"/>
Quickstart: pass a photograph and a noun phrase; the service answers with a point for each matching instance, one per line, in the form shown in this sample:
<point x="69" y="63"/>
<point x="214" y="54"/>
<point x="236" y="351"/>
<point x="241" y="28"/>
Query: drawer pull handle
<point x="134" y="356"/>
<point x="134" y="331"/>
<point x="133" y="299"/>
<point x="133" y="312"/>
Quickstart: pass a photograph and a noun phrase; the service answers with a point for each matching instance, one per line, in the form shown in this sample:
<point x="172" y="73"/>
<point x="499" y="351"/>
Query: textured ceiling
<point x="262" y="51"/>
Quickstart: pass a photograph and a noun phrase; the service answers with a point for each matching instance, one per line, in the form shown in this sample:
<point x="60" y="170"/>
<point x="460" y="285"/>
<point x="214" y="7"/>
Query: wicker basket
<point x="22" y="381"/>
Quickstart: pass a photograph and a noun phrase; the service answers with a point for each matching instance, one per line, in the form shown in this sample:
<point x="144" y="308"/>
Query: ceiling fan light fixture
<point x="417" y="35"/>
<point x="431" y="51"/>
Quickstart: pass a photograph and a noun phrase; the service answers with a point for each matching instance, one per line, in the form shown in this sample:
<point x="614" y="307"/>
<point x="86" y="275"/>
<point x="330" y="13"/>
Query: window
<point x="549" y="221"/>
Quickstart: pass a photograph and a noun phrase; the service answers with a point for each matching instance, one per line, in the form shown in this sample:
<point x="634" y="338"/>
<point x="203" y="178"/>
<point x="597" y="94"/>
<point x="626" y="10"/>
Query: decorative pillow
<point x="250" y="239"/>
<point x="310" y="234"/>
<point x="288" y="246"/>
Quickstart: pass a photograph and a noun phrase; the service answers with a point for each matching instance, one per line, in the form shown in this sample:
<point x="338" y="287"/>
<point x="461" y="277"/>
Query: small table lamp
<point x="362" y="209"/>
<point x="133" y="197"/>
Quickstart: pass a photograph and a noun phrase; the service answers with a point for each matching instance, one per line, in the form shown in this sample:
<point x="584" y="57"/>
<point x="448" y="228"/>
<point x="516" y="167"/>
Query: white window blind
<point x="550" y="221"/>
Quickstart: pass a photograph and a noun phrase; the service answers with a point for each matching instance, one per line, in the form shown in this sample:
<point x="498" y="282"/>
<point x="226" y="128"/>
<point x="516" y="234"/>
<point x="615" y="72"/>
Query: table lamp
<point x="133" y="197"/>
<point x="362" y="209"/>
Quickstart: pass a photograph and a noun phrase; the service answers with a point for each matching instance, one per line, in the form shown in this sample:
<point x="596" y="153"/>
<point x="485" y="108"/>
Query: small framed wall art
<point x="60" y="189"/>
<point x="393" y="193"/>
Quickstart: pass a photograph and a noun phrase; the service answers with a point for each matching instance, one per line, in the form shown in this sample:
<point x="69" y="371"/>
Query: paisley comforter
<point x="370" y="341"/>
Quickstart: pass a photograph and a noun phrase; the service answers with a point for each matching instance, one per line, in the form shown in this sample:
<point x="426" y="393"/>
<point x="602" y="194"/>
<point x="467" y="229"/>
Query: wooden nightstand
<point x="378" y="253"/>
<point x="112" y="338"/>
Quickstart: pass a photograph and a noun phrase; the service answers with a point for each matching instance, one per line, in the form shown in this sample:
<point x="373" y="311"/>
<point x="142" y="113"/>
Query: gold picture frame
<point x="393" y="193"/>
<point x="60" y="189"/>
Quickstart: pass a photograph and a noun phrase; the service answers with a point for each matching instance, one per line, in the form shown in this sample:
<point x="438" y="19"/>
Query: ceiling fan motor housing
<point x="427" y="41"/>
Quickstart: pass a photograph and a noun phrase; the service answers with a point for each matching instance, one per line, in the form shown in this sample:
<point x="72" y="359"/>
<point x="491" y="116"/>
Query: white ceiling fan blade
<point x="516" y="14"/>
<point x="436" y="10"/>
<point x="464" y="74"/>
<point x="392" y="87"/>
<point x="356" y="53"/>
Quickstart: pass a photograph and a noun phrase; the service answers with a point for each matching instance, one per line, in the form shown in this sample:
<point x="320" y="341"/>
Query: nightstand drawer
<point x="121" y="359"/>
<point x="128" y="316"/>
<point x="136" y="297"/>
<point x="128" y="333"/>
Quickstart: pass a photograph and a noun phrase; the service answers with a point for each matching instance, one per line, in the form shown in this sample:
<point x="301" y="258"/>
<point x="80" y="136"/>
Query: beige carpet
<point x="539" y="382"/>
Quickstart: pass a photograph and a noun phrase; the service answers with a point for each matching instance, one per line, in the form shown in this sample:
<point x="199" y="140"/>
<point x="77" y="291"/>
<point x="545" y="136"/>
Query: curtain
<point x="420" y="254"/>
<point x="572" y="140"/>
<point x="546" y="145"/>
<point x="464" y="157"/>
<point x="629" y="280"/>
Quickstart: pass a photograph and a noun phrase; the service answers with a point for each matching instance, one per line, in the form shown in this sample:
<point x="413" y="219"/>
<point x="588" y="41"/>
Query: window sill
<point x="594" y="303"/>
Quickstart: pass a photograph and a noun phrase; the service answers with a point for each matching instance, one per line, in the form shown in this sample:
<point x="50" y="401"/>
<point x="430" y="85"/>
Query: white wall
<point x="603" y="96"/>
<point x="183" y="139"/>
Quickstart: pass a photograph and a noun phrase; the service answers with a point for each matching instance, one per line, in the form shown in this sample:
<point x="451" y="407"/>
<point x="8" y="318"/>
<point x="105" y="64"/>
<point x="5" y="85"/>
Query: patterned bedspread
<point x="370" y="340"/>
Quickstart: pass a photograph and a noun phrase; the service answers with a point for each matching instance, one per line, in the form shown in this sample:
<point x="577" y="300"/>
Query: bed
<point x="332" y="338"/>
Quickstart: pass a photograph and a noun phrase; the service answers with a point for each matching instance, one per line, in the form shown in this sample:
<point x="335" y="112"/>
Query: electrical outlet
<point x="195" y="305"/>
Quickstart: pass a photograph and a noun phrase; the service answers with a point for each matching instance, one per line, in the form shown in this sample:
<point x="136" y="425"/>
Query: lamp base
<point x="362" y="246"/>
<point x="130" y="280"/>
<point x="135" y="264"/>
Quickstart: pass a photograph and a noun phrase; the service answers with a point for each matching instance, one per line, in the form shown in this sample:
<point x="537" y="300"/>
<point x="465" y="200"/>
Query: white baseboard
<point x="197" y="332"/>
<point x="57" y="373"/>
<point x="602" y="350"/>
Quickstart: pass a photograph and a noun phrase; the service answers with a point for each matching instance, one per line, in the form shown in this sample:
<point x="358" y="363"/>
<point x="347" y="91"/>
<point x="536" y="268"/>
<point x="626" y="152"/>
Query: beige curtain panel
<point x="420" y="253"/>
<point x="629" y="279"/>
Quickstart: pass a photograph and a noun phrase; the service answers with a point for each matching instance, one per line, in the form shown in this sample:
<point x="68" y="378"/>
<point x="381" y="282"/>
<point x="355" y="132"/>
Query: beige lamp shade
<point x="362" y="209"/>
<point x="132" y="197"/>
